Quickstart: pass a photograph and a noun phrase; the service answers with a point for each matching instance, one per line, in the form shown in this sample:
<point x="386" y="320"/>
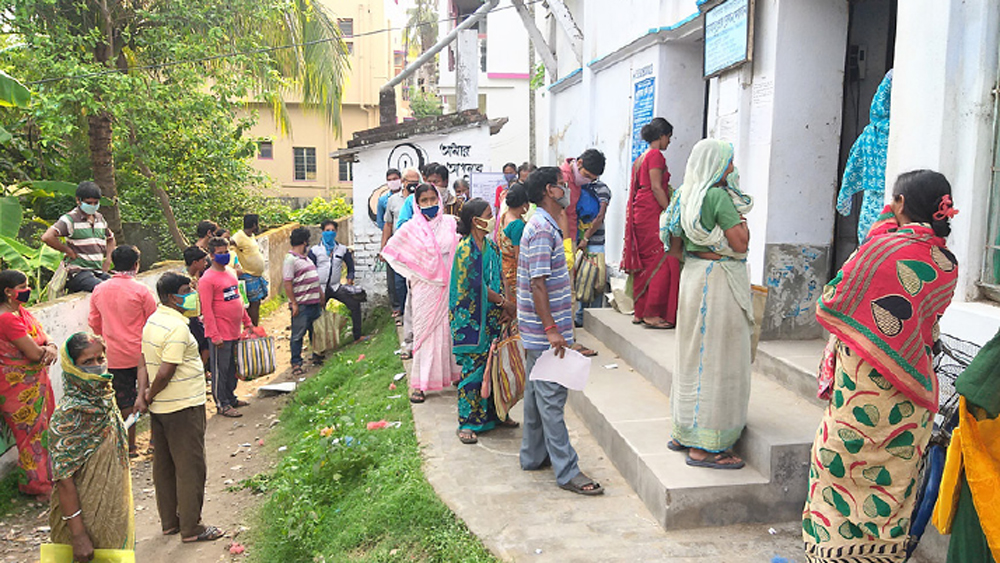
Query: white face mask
<point x="394" y="185"/>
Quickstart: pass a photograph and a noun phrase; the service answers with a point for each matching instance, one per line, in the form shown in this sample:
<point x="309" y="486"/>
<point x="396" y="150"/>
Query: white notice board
<point x="728" y="36"/>
<point x="484" y="186"/>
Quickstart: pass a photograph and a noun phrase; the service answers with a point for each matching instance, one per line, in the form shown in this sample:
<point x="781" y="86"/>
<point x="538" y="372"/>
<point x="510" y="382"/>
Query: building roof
<point x="429" y="125"/>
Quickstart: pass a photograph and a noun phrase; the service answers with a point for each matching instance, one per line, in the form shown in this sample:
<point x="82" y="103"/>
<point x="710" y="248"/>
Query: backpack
<point x="588" y="206"/>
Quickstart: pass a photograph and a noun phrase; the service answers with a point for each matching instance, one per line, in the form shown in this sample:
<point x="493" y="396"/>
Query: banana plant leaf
<point x="47" y="258"/>
<point x="12" y="92"/>
<point x="10" y="216"/>
<point x="15" y="254"/>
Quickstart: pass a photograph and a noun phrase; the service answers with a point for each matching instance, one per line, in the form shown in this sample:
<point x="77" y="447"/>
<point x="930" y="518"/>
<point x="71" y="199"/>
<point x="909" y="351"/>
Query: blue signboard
<point x="643" y="102"/>
<point x="727" y="36"/>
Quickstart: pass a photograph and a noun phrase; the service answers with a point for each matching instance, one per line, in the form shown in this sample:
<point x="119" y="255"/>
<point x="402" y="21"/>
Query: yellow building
<point x="299" y="163"/>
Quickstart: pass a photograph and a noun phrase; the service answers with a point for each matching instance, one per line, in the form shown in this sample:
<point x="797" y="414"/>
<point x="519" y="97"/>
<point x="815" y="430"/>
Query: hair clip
<point x="945" y="209"/>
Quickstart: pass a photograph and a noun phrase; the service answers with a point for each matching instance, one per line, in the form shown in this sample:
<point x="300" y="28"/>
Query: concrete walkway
<point x="524" y="516"/>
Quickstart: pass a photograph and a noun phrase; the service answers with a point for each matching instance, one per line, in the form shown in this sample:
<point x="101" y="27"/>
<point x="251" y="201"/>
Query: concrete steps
<point x="628" y="411"/>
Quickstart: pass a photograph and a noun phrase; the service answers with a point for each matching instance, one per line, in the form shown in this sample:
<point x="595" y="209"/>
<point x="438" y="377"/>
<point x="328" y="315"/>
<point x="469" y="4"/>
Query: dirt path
<point x="234" y="453"/>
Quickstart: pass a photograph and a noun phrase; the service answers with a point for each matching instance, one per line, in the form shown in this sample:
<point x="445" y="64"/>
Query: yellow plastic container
<point x="62" y="553"/>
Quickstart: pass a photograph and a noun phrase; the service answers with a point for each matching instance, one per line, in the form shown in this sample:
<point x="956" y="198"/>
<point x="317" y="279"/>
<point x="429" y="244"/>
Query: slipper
<point x="172" y="531"/>
<point x="132" y="454"/>
<point x="364" y="338"/>
<point x="240" y="404"/>
<point x="577" y="484"/>
<point x="417" y="397"/>
<point x="510" y="423"/>
<point x="230" y="412"/>
<point x="657" y="326"/>
<point x="399" y="321"/>
<point x="466" y="436"/>
<point x="636" y="321"/>
<point x="586" y="352"/>
<point x="406" y="356"/>
<point x="211" y="533"/>
<point x="297" y="370"/>
<point x="675" y="446"/>
<point x="712" y="461"/>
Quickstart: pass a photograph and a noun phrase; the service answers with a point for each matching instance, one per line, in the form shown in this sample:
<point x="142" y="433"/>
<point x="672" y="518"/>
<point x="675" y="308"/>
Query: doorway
<point x="871" y="42"/>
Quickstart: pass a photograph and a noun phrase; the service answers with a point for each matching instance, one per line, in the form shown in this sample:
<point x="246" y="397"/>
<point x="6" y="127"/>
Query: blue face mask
<point x="509" y="177"/>
<point x="329" y="238"/>
<point x="90" y="208"/>
<point x="221" y="259"/>
<point x="430" y="212"/>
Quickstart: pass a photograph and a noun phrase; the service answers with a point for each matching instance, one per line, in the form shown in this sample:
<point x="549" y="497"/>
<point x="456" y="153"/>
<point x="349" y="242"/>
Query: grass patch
<point x="344" y="493"/>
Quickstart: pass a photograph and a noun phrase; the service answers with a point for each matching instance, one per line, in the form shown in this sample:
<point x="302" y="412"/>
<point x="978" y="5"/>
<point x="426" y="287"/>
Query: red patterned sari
<point x="26" y="403"/>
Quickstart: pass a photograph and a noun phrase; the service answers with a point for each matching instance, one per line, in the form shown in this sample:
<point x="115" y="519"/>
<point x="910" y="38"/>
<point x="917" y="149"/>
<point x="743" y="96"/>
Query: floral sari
<point x="475" y="324"/>
<point x="26" y="402"/>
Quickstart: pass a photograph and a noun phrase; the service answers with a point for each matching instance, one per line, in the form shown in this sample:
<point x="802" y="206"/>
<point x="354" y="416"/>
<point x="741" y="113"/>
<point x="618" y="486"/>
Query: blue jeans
<point x="598" y="301"/>
<point x="301" y="324"/>
<point x="400" y="291"/>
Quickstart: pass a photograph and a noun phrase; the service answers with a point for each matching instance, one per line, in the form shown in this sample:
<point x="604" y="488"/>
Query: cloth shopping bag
<point x="254" y="355"/>
<point x="505" y="375"/>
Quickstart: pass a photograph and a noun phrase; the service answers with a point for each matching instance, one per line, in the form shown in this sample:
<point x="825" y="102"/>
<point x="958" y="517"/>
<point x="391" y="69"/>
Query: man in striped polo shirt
<point x="305" y="294"/>
<point x="545" y="320"/>
<point x="89" y="241"/>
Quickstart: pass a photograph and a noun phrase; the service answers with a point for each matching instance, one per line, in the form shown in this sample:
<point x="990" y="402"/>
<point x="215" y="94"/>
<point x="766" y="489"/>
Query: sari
<point x="968" y="507"/>
<point x="710" y="391"/>
<point x="655" y="274"/>
<point x="422" y="251"/>
<point x="27" y="406"/>
<point x="509" y="240"/>
<point x="475" y="325"/>
<point x="883" y="308"/>
<point x="90" y="445"/>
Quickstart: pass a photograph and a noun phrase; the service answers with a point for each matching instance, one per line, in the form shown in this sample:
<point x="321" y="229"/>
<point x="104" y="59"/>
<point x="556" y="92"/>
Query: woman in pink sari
<point x="655" y="273"/>
<point x="422" y="251"/>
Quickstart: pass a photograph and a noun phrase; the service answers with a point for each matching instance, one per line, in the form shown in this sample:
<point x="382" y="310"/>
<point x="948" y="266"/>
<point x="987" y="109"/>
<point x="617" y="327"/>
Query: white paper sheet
<point x="570" y="371"/>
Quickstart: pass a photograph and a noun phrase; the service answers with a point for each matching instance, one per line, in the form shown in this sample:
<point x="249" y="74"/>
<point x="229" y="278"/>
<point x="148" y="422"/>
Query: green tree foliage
<point x="425" y="104"/>
<point x="319" y="209"/>
<point x="147" y="97"/>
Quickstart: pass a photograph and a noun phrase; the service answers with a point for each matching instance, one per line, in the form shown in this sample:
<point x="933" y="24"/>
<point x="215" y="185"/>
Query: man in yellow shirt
<point x="176" y="399"/>
<point x="250" y="257"/>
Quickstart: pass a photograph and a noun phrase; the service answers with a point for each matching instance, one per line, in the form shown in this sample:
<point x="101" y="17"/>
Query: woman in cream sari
<point x="711" y="384"/>
<point x="91" y="504"/>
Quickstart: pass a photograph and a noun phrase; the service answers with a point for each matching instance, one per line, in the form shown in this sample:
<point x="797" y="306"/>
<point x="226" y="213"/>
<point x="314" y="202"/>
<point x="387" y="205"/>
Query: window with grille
<point x="346" y="26"/>
<point x="991" y="265"/>
<point x="265" y="150"/>
<point x="346" y="170"/>
<point x="305" y="163"/>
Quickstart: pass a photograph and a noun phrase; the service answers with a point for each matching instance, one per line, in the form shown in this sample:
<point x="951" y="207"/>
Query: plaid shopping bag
<point x="505" y="374"/>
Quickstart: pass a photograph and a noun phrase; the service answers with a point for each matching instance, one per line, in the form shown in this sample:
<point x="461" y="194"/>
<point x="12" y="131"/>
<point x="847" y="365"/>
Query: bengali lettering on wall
<point x="643" y="104"/>
<point x="728" y="36"/>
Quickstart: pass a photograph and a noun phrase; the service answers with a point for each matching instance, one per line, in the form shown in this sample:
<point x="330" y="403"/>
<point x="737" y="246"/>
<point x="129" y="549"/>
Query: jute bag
<point x="505" y="376"/>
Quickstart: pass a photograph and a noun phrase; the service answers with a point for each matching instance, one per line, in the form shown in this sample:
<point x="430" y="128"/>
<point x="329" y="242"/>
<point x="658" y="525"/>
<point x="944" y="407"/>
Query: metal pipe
<point x="429" y="54"/>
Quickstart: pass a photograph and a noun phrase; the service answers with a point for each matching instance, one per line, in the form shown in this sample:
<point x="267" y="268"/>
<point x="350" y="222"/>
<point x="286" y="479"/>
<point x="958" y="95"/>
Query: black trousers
<point x="352" y="304"/>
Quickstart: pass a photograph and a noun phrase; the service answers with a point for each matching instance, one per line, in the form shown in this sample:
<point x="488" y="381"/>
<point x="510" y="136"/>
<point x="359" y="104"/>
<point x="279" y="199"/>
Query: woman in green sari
<point x="91" y="507"/>
<point x="478" y="308"/>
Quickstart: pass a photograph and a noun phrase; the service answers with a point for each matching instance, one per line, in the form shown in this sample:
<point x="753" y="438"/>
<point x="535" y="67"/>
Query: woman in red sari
<point x="655" y="273"/>
<point x="25" y="354"/>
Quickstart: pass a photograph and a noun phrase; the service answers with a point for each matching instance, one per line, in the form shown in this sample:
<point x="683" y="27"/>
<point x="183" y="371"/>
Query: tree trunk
<point x="103" y="161"/>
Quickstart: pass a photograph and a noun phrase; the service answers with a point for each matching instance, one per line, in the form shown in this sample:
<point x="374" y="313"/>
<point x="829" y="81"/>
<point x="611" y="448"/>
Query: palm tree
<point x="308" y="57"/>
<point x="421" y="33"/>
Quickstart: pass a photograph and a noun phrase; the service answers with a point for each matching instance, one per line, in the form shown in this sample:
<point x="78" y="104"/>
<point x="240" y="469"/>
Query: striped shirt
<point x="166" y="338"/>
<point x="88" y="239"/>
<point x="305" y="279"/>
<point x="542" y="256"/>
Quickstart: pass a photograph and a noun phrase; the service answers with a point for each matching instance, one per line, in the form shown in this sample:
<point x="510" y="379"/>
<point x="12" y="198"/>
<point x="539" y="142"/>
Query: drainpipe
<point x="387" y="94"/>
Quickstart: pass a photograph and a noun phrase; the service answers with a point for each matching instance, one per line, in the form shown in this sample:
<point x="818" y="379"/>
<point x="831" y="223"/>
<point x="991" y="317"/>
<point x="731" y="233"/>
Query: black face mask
<point x="411" y="187"/>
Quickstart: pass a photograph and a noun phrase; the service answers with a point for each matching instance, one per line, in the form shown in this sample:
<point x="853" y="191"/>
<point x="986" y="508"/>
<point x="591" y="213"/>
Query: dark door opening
<point x="871" y="42"/>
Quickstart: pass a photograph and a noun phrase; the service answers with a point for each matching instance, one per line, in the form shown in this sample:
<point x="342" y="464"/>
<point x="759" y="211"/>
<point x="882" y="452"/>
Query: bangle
<point x="550" y="327"/>
<point x="71" y="516"/>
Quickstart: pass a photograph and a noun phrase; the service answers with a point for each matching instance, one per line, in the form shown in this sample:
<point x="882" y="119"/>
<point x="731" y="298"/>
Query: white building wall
<point x="942" y="119"/>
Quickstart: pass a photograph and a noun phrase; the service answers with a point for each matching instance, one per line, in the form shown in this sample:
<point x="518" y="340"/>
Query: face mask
<point x="486" y="224"/>
<point x="329" y="238"/>
<point x="94" y="370"/>
<point x="563" y="200"/>
<point x="410" y="187"/>
<point x="23" y="295"/>
<point x="394" y="185"/>
<point x="578" y="177"/>
<point x="463" y="196"/>
<point x="221" y="259"/>
<point x="189" y="303"/>
<point x="90" y="208"/>
<point x="430" y="212"/>
<point x="509" y="177"/>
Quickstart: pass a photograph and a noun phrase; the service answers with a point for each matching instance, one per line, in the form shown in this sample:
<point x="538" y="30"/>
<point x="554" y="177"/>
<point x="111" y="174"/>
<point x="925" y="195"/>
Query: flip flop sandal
<point x="510" y="423"/>
<point x="712" y="461"/>
<point x="417" y="397"/>
<point x="399" y="321"/>
<point x="172" y="531"/>
<point x="467" y="437"/>
<point x="240" y="404"/>
<point x="577" y="484"/>
<point x="657" y="326"/>
<point x="406" y="356"/>
<point x="211" y="533"/>
<point x="297" y="370"/>
<point x="587" y="352"/>
<point x="636" y="321"/>
<point x="675" y="446"/>
<point x="230" y="413"/>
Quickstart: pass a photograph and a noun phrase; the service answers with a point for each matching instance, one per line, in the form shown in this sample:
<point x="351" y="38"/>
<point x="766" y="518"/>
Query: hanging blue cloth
<point x="865" y="170"/>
